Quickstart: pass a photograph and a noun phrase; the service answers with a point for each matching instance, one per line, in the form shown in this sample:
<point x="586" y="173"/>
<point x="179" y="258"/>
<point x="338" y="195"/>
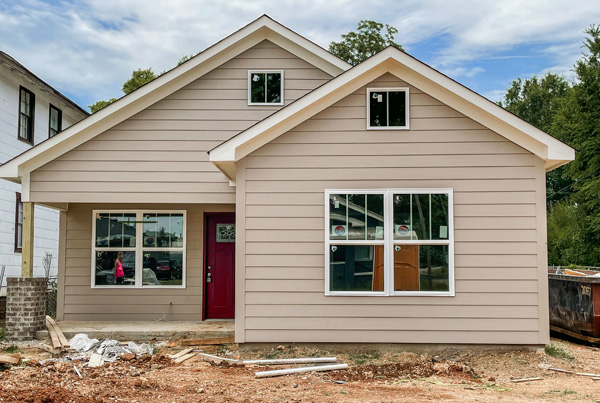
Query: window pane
<point x="420" y="216"/>
<point x="356" y="216"/>
<point x="375" y="216"/>
<point x="356" y="267"/>
<point x="337" y="217"/>
<point x="102" y="227"/>
<point x="177" y="230"/>
<point x="274" y="87"/>
<point x="150" y="225"/>
<point x="162" y="268"/>
<point x="397" y="108"/>
<point x="402" y="224"/>
<point x="24" y="127"/>
<point x="105" y="267"/>
<point x="378" y="108"/>
<point x="19" y="235"/>
<point x="421" y="268"/>
<point x="257" y="87"/>
<point x="121" y="230"/>
<point x="439" y="216"/>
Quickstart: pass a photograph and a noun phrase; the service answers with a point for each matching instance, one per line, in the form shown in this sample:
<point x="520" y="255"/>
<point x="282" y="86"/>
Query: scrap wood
<point x="590" y="375"/>
<point x="45" y="347"/>
<point x="285" y="361"/>
<point x="183" y="358"/>
<point x="13" y="359"/>
<point x="61" y="337"/>
<point x="320" y="368"/>
<point x="205" y="342"/>
<point x="181" y="353"/>
<point x="560" y="370"/>
<point x="217" y="360"/>
<point x="526" y="380"/>
<point x="53" y="336"/>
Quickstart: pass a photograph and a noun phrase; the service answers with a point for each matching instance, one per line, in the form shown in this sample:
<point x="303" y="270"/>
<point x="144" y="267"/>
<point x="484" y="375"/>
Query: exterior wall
<point x="46" y="219"/>
<point x="78" y="301"/>
<point x="161" y="153"/>
<point x="499" y="218"/>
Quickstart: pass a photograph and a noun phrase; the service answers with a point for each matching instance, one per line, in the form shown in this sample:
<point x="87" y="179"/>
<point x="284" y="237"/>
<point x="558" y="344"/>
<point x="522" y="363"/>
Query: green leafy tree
<point x="370" y="37"/>
<point x="537" y="101"/>
<point x="100" y="104"/>
<point x="138" y="78"/>
<point x="567" y="236"/>
<point x="578" y="123"/>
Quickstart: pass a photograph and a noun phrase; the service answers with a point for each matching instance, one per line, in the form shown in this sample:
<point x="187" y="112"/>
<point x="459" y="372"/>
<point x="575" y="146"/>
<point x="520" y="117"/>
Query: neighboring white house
<point x="30" y="112"/>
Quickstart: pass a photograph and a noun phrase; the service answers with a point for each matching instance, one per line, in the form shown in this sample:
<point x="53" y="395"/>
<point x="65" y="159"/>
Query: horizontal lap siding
<point x="81" y="302"/>
<point x="496" y="229"/>
<point x="161" y="153"/>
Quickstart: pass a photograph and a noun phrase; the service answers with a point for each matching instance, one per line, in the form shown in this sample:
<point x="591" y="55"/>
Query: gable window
<point x="151" y="245"/>
<point x="55" y="121"/>
<point x="26" y="114"/>
<point x="389" y="242"/>
<point x="265" y="87"/>
<point x="18" y="224"/>
<point x="387" y="108"/>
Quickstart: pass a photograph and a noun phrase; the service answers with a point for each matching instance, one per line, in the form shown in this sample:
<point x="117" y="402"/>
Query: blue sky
<point x="86" y="49"/>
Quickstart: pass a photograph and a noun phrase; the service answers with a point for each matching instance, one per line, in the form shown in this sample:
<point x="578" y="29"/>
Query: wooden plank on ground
<point x="61" y="337"/>
<point x="13" y="359"/>
<point x="53" y="336"/>
<point x="526" y="380"/>
<point x="216" y="359"/>
<point x="183" y="358"/>
<point x="181" y="353"/>
<point x="206" y="342"/>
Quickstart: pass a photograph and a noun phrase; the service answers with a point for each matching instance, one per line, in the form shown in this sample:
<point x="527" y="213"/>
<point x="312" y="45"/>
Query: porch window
<point x="152" y="244"/>
<point x="18" y="224"/>
<point x="54" y="121"/>
<point x="26" y="115"/>
<point x="387" y="108"/>
<point x="265" y="87"/>
<point x="389" y="242"/>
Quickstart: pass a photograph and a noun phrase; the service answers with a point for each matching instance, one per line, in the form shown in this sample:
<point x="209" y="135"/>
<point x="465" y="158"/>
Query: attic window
<point x="387" y="108"/>
<point x="265" y="87"/>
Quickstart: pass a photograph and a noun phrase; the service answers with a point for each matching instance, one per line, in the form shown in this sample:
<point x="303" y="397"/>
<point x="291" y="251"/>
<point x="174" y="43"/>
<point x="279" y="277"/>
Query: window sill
<point x="380" y="294"/>
<point x="133" y="287"/>
<point x="25" y="141"/>
<point x="265" y="104"/>
<point x="388" y="128"/>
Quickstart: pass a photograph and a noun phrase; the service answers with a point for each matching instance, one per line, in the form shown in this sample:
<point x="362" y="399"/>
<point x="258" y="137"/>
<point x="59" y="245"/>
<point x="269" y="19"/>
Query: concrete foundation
<point x="25" y="307"/>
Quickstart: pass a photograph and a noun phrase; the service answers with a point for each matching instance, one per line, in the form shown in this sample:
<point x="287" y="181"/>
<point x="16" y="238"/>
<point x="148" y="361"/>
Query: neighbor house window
<point x="387" y="108"/>
<point x="55" y="120"/>
<point x="389" y="242"/>
<point x="26" y="114"/>
<point x="265" y="87"/>
<point x="18" y="224"/>
<point x="152" y="244"/>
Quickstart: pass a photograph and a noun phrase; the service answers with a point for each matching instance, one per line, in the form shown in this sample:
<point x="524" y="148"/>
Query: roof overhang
<point x="418" y="74"/>
<point x="263" y="28"/>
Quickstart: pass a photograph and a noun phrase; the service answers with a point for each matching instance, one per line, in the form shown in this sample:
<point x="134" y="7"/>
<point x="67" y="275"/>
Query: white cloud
<point x="90" y="47"/>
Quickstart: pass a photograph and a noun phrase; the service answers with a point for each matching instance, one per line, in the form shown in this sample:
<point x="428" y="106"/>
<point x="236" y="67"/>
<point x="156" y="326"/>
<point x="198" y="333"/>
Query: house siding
<point x="81" y="302"/>
<point x="499" y="219"/>
<point x="161" y="153"/>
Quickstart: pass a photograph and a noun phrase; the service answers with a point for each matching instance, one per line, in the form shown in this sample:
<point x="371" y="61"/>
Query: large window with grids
<point x="389" y="242"/>
<point x="150" y="246"/>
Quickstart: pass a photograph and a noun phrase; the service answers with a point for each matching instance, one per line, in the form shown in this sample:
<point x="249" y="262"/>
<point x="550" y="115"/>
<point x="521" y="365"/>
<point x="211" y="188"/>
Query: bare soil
<point x="465" y="376"/>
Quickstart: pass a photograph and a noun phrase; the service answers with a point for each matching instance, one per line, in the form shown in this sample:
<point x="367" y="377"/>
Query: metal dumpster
<point x="575" y="305"/>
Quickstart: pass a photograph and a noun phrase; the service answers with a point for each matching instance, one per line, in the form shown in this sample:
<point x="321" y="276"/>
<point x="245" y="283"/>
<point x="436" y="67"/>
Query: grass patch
<point x="12" y="349"/>
<point x="271" y="354"/>
<point x="2" y="333"/>
<point x="554" y="350"/>
<point x="363" y="358"/>
<point x="569" y="392"/>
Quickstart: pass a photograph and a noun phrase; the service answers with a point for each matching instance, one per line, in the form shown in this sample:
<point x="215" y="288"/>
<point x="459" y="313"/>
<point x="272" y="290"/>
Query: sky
<point x="87" y="49"/>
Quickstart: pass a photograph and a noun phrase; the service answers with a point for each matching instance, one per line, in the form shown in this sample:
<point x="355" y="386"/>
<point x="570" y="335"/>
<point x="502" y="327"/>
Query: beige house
<point x="267" y="181"/>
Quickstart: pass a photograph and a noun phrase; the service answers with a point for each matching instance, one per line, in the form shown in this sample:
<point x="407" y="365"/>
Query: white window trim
<point x="138" y="249"/>
<point x="250" y="103"/>
<point x="389" y="243"/>
<point x="406" y="108"/>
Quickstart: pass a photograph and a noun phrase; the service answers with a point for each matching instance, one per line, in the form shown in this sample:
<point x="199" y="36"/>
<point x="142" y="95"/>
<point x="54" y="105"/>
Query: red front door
<point x="219" y="273"/>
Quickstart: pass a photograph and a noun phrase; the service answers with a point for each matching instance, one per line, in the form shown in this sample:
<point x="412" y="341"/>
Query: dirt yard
<point x="465" y="376"/>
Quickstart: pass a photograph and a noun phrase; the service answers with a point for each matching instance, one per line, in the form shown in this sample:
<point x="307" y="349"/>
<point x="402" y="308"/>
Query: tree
<point x="100" y="104"/>
<point x="537" y="101"/>
<point x="369" y="38"/>
<point x="567" y="238"/>
<point x="138" y="78"/>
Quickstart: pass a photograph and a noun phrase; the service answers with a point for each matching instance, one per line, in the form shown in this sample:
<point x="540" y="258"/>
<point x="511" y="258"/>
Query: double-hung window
<point x="55" y="121"/>
<point x="265" y="87"/>
<point x="18" y="224"/>
<point x="389" y="242"/>
<point x="26" y="114"/>
<point x="387" y="108"/>
<point x="152" y="244"/>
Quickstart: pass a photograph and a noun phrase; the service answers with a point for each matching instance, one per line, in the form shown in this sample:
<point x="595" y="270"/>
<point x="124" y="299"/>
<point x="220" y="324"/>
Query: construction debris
<point x="526" y="380"/>
<point x="286" y="361"/>
<point x="12" y="359"/>
<point x="181" y="353"/>
<point x="184" y="357"/>
<point x="56" y="334"/>
<point x="207" y="342"/>
<point x="216" y="359"/>
<point x="560" y="370"/>
<point x="279" y="372"/>
<point x="96" y="360"/>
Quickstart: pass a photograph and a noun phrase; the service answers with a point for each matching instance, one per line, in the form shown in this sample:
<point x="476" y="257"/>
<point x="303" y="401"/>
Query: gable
<point x="553" y="152"/>
<point x="162" y="151"/>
